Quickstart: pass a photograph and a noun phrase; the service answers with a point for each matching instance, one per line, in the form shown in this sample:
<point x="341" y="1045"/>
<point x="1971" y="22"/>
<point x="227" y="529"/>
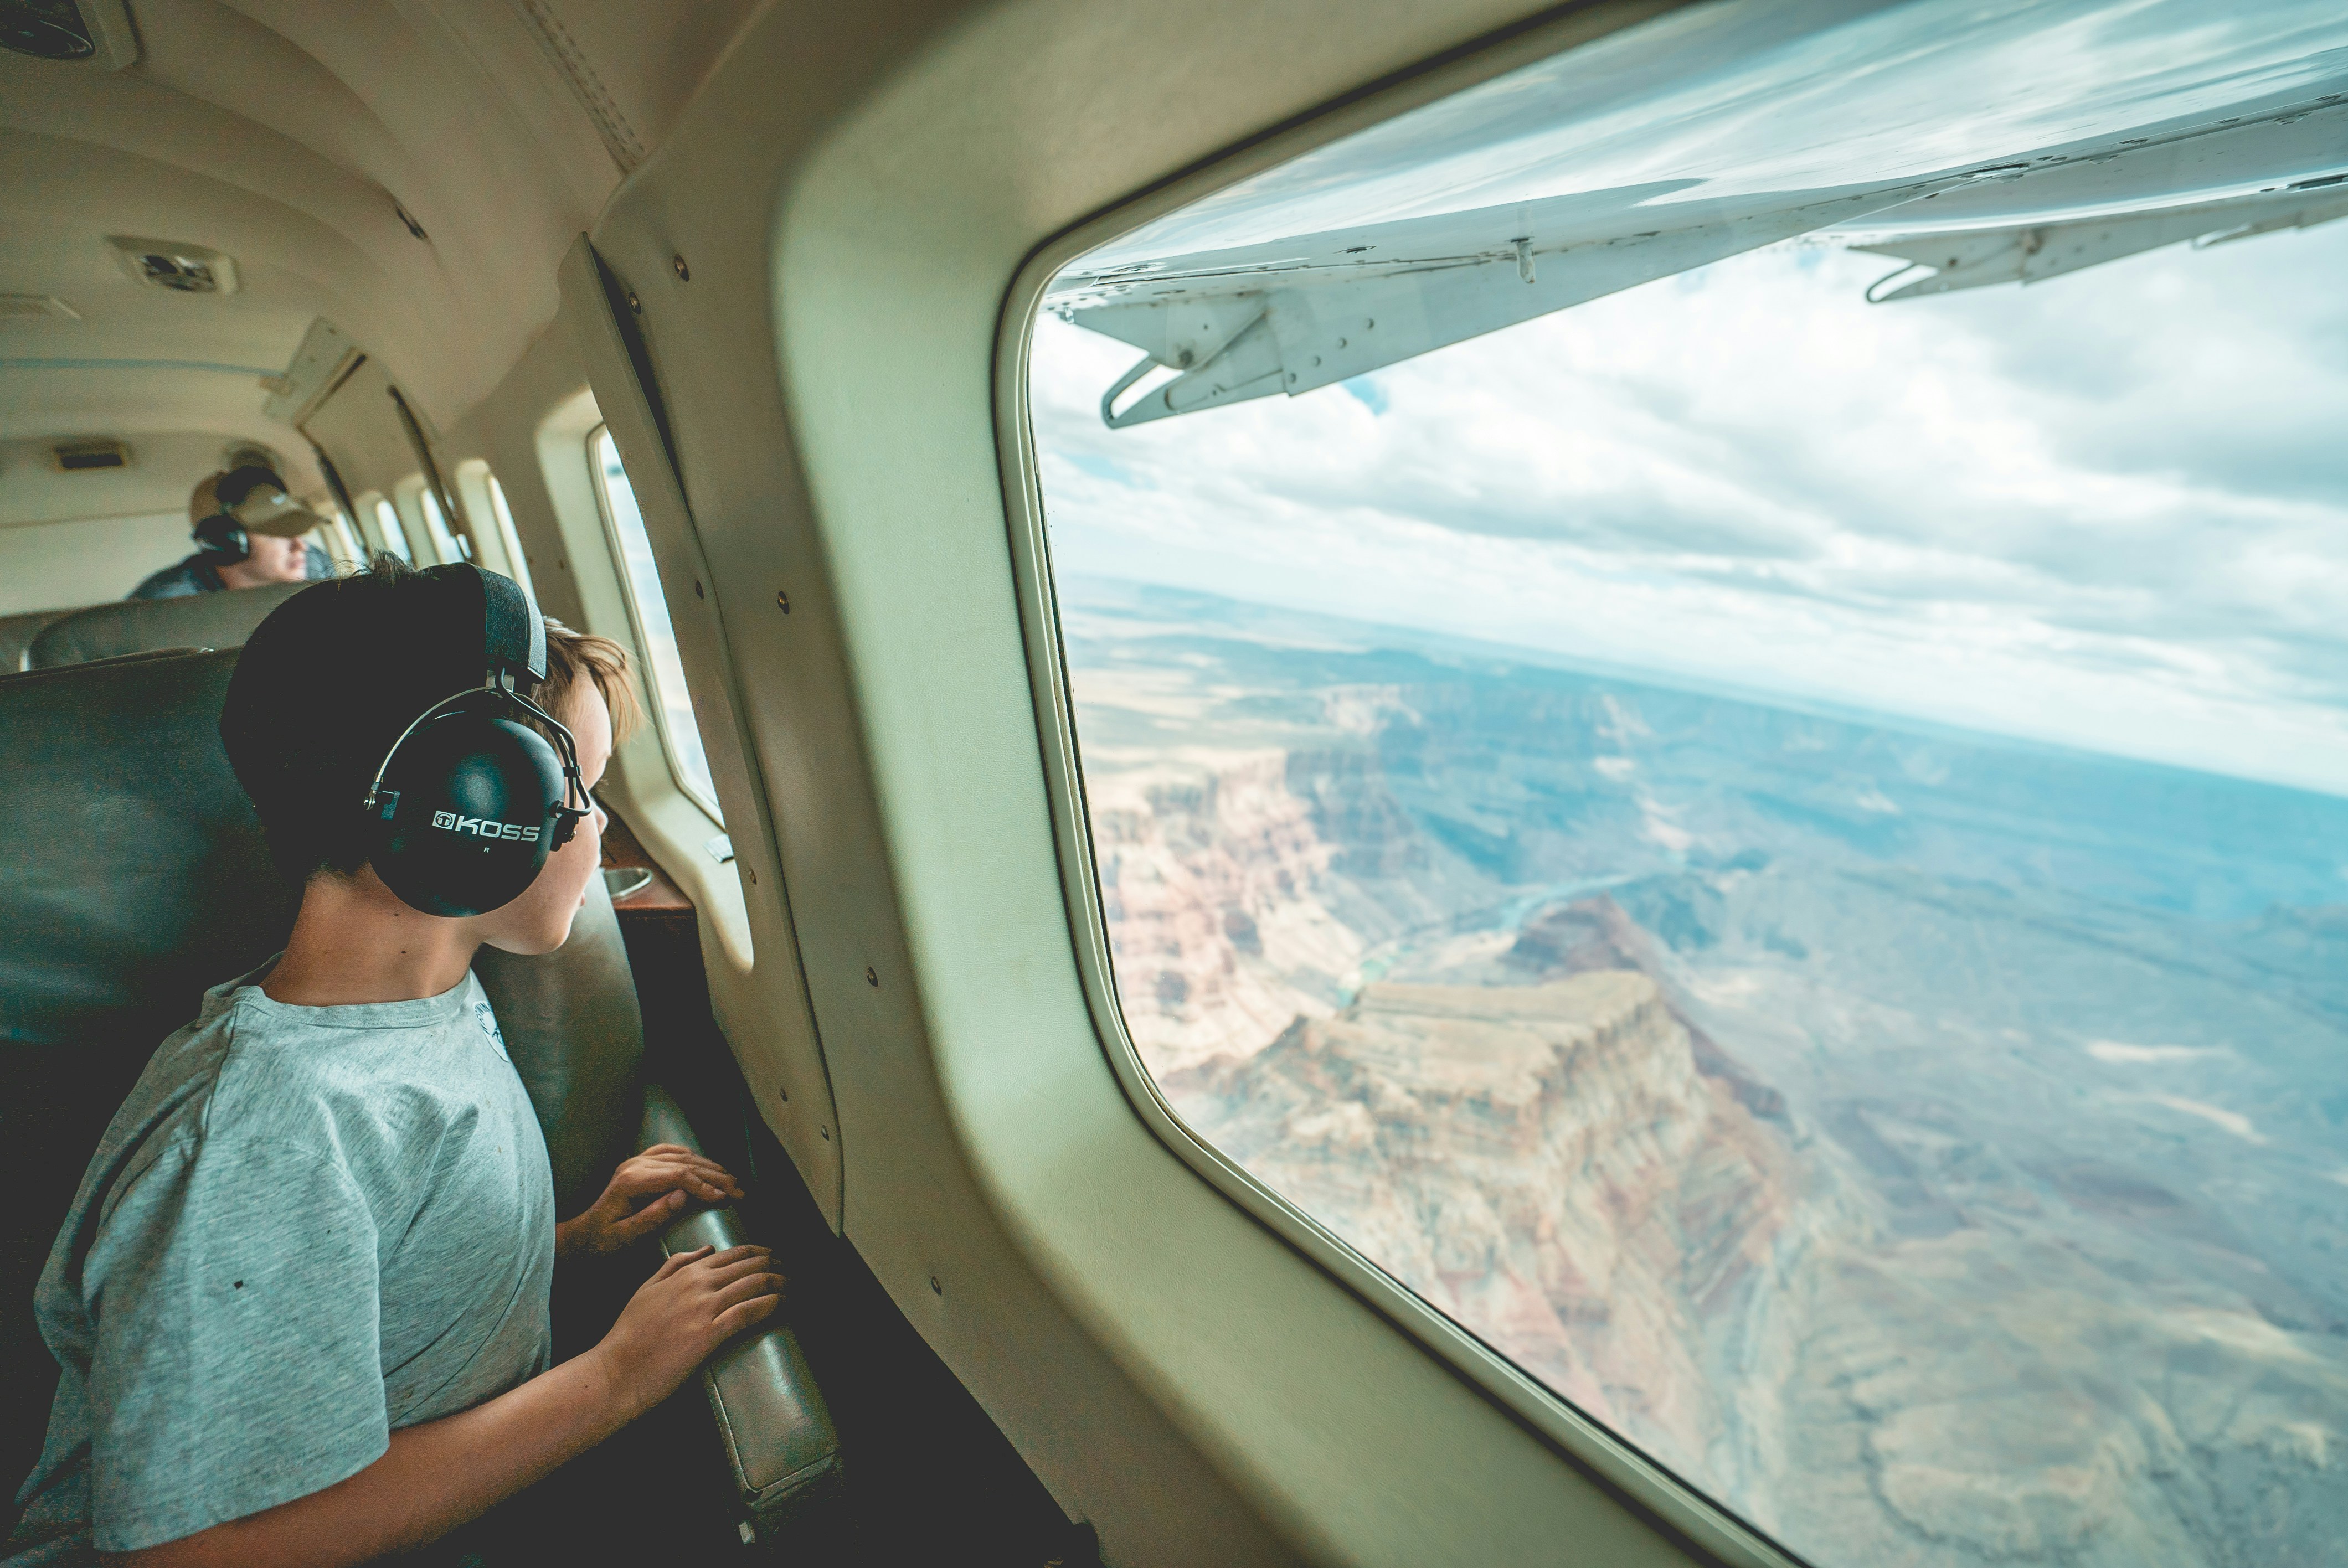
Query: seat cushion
<point x="571" y="1024"/>
<point x="139" y="625"/>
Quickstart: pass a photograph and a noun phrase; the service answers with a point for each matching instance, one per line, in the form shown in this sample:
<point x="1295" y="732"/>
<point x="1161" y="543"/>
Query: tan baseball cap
<point x="256" y="499"/>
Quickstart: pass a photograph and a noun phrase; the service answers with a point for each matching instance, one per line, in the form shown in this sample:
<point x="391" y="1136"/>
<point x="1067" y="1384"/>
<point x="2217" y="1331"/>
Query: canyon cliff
<point x="1544" y="1162"/>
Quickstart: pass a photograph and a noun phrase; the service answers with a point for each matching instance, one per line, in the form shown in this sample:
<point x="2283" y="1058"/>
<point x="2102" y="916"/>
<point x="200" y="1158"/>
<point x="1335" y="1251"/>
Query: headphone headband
<point x="513" y="634"/>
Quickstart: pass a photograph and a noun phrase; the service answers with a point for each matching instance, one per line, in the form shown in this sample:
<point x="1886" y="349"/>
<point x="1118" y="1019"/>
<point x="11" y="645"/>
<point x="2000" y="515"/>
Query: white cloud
<point x="2233" y="1121"/>
<point x="2111" y="510"/>
<point x="2119" y="1052"/>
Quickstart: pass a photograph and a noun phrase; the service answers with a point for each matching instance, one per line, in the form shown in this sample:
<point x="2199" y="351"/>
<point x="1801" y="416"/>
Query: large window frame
<point x="1678" y="1504"/>
<point x="662" y="722"/>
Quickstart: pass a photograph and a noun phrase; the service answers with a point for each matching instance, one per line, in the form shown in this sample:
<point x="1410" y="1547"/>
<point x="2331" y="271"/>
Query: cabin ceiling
<point x="290" y="137"/>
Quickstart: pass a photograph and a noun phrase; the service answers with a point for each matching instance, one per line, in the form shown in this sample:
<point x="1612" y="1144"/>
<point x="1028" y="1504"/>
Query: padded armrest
<point x="777" y="1432"/>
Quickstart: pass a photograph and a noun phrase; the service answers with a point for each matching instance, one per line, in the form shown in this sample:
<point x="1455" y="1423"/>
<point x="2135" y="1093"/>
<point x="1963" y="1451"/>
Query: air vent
<point x="182" y="269"/>
<point x="93" y="452"/>
<point x="28" y="307"/>
<point x="47" y="30"/>
<point x="94" y="31"/>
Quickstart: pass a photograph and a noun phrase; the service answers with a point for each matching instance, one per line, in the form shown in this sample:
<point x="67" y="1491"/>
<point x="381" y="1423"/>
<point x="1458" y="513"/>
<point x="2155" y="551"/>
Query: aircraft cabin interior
<point x="1486" y="783"/>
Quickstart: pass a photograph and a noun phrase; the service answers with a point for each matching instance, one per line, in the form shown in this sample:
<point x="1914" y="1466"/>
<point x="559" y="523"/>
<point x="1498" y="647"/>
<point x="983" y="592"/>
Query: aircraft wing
<point x="1294" y="313"/>
<point x="1337" y="305"/>
<point x="2031" y="253"/>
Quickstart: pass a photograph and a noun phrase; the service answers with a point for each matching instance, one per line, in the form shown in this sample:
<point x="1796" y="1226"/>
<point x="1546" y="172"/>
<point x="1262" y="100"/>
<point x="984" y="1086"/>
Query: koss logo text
<point x="484" y="827"/>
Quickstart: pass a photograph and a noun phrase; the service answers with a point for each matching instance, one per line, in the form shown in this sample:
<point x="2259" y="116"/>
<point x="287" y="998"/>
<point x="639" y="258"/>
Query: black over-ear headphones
<point x="470" y="800"/>
<point x="224" y="539"/>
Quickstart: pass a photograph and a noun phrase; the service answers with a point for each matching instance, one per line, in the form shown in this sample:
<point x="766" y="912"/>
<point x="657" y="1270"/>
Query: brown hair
<point x="572" y="654"/>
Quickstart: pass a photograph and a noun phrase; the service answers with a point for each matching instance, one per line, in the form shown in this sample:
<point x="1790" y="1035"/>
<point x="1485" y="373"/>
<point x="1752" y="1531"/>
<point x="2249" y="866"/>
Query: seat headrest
<point x="222" y="619"/>
<point x="16" y="634"/>
<point x="138" y="874"/>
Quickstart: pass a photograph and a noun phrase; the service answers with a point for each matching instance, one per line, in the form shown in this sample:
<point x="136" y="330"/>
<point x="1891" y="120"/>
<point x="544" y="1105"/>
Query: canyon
<point x="1927" y="1144"/>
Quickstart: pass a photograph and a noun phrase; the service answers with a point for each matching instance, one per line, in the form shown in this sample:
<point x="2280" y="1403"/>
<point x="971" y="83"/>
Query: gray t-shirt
<point x="306" y="1229"/>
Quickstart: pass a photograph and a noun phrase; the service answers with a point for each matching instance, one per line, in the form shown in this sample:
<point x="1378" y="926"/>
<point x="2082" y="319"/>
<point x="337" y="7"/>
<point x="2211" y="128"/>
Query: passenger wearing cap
<point x="249" y="531"/>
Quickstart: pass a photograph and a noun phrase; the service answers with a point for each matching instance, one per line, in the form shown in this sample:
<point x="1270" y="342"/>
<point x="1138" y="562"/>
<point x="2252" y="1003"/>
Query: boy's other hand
<point x="668" y="1175"/>
<point x="697" y="1301"/>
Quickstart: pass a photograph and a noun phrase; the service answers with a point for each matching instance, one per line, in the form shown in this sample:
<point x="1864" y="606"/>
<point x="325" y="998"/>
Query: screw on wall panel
<point x="754" y="879"/>
<point x="683" y="272"/>
<point x="785" y="1093"/>
<point x="872" y="977"/>
<point x="783" y="602"/>
<point x="636" y="305"/>
<point x="827" y="1134"/>
<point x="696" y="590"/>
<point x="935" y="1288"/>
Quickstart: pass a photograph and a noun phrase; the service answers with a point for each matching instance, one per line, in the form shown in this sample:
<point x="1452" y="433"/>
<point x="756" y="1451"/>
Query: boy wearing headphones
<point x="248" y="532"/>
<point x="300" y="1305"/>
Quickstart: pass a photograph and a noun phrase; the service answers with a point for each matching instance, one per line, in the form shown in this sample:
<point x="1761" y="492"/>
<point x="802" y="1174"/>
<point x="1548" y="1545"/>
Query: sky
<point x="2109" y="510"/>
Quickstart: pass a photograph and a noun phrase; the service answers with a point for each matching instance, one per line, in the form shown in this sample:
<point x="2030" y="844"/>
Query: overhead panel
<point x="357" y="426"/>
<point x="373" y="435"/>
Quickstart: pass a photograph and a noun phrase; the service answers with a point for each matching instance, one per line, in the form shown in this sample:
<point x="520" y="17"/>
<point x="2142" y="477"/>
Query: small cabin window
<point x="420" y="509"/>
<point x="1714" y="731"/>
<point x="656" y="634"/>
<point x="452" y="546"/>
<point x="389" y="533"/>
<point x="334" y="535"/>
<point x="510" y="536"/>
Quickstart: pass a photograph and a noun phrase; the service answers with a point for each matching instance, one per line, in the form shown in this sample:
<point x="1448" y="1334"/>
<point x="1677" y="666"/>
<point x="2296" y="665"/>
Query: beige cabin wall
<point x="66" y="565"/>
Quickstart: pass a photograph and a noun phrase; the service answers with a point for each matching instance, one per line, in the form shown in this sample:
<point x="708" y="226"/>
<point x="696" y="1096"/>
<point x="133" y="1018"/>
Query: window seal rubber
<point x="1678" y="1507"/>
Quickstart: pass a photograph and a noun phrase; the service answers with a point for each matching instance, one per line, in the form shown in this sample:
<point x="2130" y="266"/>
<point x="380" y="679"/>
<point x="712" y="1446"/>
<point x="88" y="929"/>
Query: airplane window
<point x="1714" y="721"/>
<point x="510" y="536"/>
<point x="335" y="537"/>
<point x="387" y="527"/>
<point x="445" y="545"/>
<point x="680" y="733"/>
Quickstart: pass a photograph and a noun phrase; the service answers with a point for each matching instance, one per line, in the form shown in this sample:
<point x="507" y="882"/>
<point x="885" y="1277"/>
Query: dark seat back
<point x="137" y="876"/>
<point x="16" y="634"/>
<point x="222" y="619"/>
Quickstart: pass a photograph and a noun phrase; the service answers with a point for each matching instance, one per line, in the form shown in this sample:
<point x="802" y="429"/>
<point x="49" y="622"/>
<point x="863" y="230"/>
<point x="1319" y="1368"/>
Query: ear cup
<point x="223" y="536"/>
<point x="467" y="809"/>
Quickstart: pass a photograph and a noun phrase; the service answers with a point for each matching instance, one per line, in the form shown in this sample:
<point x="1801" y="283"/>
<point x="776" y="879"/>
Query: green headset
<point x="471" y="799"/>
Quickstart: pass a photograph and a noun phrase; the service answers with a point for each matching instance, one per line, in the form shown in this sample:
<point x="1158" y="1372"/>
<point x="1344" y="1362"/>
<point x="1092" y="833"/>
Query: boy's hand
<point x="697" y="1302"/>
<point x="667" y="1173"/>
